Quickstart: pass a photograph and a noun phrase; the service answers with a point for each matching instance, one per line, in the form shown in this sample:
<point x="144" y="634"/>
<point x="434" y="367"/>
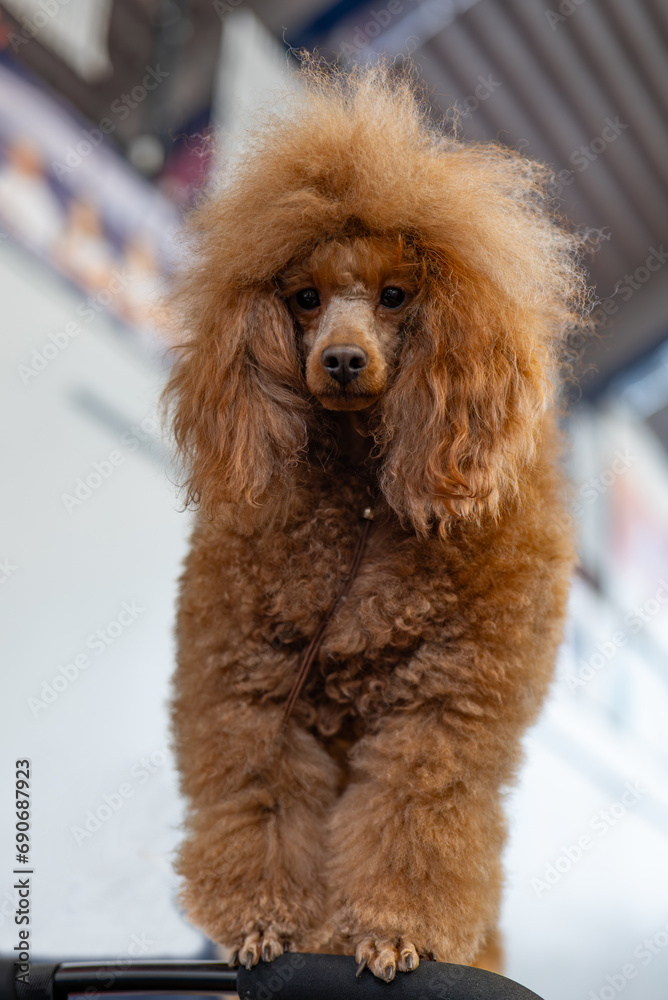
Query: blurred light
<point x="147" y="154"/>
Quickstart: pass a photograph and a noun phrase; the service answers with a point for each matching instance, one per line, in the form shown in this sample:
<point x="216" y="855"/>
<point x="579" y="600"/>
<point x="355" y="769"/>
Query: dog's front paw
<point x="386" y="956"/>
<point x="266" y="944"/>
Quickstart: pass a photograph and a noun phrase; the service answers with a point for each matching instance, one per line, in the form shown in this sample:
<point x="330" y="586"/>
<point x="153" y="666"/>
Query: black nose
<point x="344" y="363"/>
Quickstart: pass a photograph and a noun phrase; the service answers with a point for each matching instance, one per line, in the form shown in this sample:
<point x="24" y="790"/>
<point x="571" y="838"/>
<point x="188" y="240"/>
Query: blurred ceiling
<point x="580" y="84"/>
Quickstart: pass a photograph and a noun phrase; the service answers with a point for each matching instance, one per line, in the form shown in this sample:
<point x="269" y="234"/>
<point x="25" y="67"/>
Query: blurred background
<point x="113" y="113"/>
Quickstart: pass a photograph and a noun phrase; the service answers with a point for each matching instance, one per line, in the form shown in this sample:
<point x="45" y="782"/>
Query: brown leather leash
<point x="313" y="647"/>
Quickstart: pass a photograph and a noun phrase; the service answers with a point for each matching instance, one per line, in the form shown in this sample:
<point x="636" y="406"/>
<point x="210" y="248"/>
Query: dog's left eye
<point x="308" y="298"/>
<point x="392" y="298"/>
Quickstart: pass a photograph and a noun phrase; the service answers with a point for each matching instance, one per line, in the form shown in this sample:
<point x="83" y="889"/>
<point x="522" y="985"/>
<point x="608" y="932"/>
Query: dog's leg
<point x="415" y="847"/>
<point x="491" y="956"/>
<point x="252" y="860"/>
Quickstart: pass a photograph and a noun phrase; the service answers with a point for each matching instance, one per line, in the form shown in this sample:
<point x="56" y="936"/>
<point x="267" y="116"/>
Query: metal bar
<point x="143" y="977"/>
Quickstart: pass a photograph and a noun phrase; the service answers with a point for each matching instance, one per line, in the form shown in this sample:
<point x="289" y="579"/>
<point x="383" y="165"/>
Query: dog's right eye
<point x="392" y="298"/>
<point x="308" y="298"/>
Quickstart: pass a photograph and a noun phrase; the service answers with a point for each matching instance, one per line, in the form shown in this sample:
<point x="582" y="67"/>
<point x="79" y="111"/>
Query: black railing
<point x="290" y="977"/>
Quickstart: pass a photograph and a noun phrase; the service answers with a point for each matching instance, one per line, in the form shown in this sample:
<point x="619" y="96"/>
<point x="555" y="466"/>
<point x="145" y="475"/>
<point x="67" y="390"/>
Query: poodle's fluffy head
<point x="357" y="257"/>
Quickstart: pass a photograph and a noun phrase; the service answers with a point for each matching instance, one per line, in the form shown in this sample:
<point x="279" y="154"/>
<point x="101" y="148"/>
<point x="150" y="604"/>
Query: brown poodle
<point x="376" y="315"/>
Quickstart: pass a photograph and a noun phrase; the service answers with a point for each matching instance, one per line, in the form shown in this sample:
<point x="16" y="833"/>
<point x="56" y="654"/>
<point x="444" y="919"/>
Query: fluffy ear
<point x="462" y="418"/>
<point x="236" y="400"/>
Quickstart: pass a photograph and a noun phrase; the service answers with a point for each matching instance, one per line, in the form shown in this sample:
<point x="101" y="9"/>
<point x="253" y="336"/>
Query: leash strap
<point x="313" y="647"/>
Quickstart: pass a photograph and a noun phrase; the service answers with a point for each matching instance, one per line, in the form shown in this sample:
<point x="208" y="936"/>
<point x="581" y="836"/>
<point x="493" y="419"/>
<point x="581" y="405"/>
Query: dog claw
<point x="386" y="956"/>
<point x="233" y="960"/>
<point x="261" y="946"/>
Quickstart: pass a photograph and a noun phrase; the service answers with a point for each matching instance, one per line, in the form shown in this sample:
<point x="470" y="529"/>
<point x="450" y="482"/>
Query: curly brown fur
<point x="373" y="824"/>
